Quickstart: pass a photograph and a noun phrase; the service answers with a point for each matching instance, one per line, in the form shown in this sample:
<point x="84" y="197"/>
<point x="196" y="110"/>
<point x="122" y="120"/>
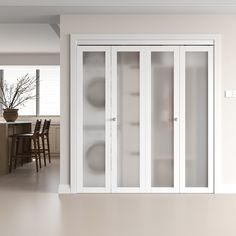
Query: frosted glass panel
<point x="128" y="119"/>
<point x="162" y="162"/>
<point x="196" y="119"/>
<point x="94" y="119"/>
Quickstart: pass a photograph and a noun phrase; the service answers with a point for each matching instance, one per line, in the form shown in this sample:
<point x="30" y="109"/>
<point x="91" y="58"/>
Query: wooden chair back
<point x="46" y="127"/>
<point x="37" y="127"/>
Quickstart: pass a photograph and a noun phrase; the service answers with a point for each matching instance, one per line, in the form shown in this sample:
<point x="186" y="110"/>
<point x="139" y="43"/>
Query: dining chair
<point x="34" y="151"/>
<point x="44" y="136"/>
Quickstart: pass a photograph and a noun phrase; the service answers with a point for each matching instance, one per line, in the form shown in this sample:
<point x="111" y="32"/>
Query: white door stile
<point x="114" y="115"/>
<point x="79" y="128"/>
<point x="108" y="119"/>
<point x="176" y="119"/>
<point x="148" y="122"/>
<point x="182" y="120"/>
<point x="80" y="186"/>
<point x="115" y="188"/>
<point x="211" y="120"/>
<point x="144" y="124"/>
<point x="73" y="117"/>
<point x="210" y="188"/>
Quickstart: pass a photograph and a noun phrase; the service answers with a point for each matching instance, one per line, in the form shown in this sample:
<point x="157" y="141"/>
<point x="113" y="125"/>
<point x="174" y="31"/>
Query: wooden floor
<point x="30" y="206"/>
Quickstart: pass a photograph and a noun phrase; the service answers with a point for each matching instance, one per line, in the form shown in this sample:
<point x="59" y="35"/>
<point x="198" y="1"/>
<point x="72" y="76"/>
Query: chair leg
<point x="17" y="151"/>
<point x="39" y="154"/>
<point x="44" y="152"/>
<point x="23" y="151"/>
<point x="30" y="150"/>
<point x="48" y="147"/>
<point x="12" y="153"/>
<point x="35" y="154"/>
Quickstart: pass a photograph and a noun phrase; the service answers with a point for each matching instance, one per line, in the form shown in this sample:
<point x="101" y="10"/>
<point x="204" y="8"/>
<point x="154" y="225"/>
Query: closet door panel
<point x="128" y="120"/>
<point x="162" y="119"/>
<point x="94" y="119"/>
<point x="126" y="108"/>
<point x="198" y="123"/>
<point x="196" y="116"/>
<point x="164" y="130"/>
<point x="94" y="63"/>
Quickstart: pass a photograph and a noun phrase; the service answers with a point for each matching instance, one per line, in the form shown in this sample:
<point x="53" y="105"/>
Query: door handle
<point x="113" y="119"/>
<point x="175" y="119"/>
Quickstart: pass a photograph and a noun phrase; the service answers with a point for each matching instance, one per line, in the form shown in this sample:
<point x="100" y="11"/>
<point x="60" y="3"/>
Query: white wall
<point x="28" y="59"/>
<point x="28" y="38"/>
<point x="29" y="44"/>
<point x="156" y="24"/>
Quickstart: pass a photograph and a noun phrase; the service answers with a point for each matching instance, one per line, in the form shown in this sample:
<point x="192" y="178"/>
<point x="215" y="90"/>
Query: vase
<point x="10" y="115"/>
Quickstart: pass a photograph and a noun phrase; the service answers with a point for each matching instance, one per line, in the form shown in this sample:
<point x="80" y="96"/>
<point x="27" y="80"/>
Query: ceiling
<point x="25" y="24"/>
<point x="48" y="11"/>
<point x="113" y="2"/>
<point x="28" y="38"/>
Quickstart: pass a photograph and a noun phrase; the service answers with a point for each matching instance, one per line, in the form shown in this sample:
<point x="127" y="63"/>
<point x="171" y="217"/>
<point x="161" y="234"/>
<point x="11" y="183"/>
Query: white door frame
<point x="179" y="39"/>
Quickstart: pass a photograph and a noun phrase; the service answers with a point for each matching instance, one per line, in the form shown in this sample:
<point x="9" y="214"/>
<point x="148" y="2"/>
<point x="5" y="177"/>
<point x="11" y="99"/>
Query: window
<point x="11" y="75"/>
<point x="49" y="92"/>
<point x="47" y="102"/>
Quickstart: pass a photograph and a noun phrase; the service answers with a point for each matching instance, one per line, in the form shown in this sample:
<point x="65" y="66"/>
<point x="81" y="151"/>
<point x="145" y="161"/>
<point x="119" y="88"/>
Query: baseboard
<point x="226" y="189"/>
<point x="57" y="155"/>
<point x="64" y="189"/>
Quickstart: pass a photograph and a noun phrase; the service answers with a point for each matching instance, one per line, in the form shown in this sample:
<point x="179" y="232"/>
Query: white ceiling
<point x="48" y="11"/>
<point x="28" y="38"/>
<point x="114" y="2"/>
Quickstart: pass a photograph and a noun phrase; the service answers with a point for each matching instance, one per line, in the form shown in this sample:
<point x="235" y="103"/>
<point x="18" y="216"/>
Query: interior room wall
<point x="33" y="59"/>
<point x="29" y="44"/>
<point x="156" y="24"/>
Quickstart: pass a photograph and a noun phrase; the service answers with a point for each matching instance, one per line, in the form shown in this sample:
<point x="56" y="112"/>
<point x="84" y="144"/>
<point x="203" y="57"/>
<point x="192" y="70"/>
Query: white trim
<point x="182" y="120"/>
<point x="226" y="188"/>
<point x="176" y="123"/>
<point x="128" y="190"/>
<point x="210" y="120"/>
<point x="64" y="189"/>
<point x="219" y="187"/>
<point x="148" y="142"/>
<point x="94" y="190"/>
<point x="79" y="120"/>
<point x="73" y="116"/>
<point x="163" y="190"/>
<point x="142" y="117"/>
<point x="114" y="123"/>
<point x="172" y="39"/>
<point x="108" y="123"/>
<point x="196" y="190"/>
<point x="144" y="39"/>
